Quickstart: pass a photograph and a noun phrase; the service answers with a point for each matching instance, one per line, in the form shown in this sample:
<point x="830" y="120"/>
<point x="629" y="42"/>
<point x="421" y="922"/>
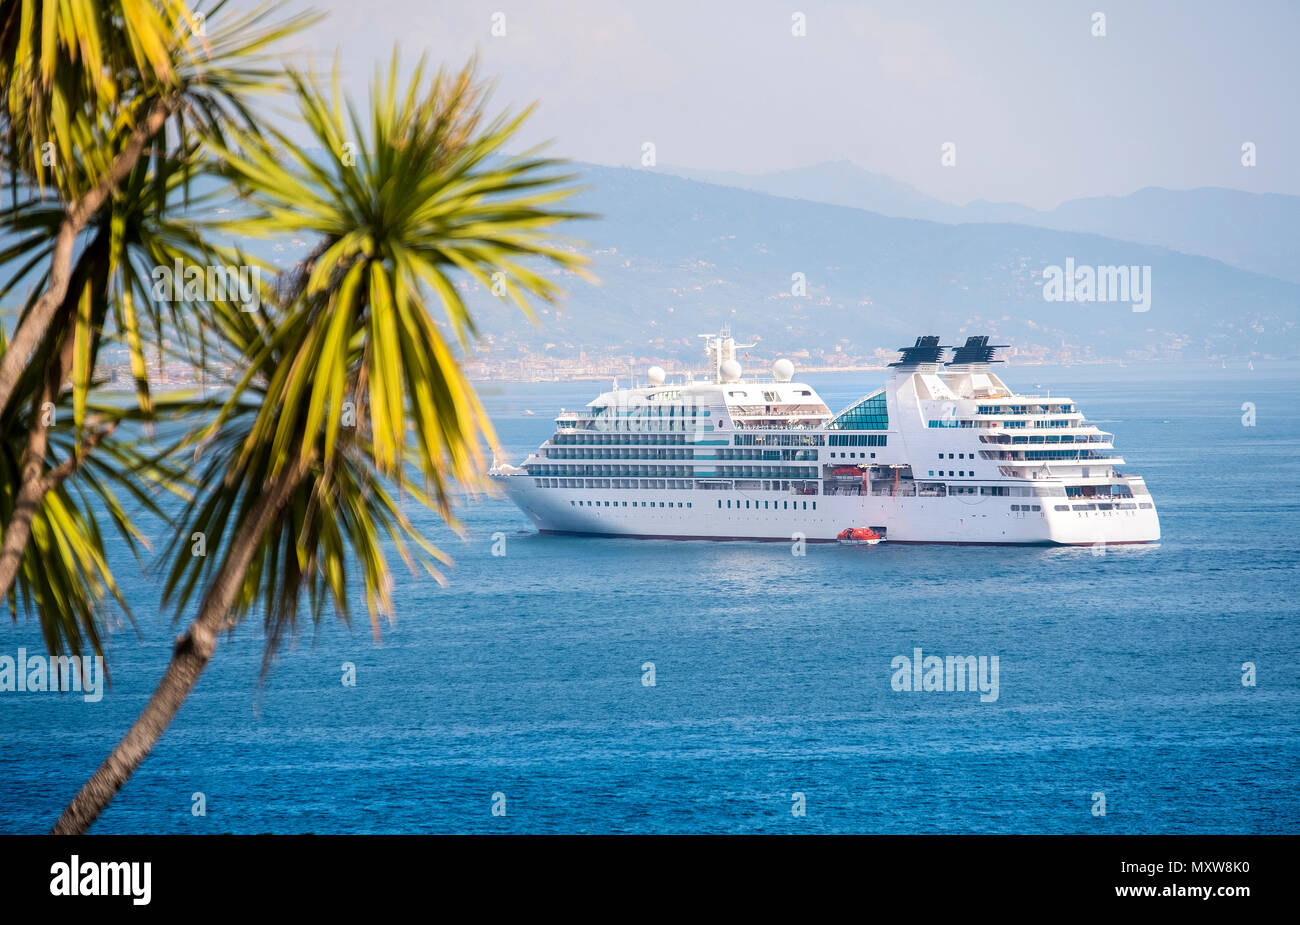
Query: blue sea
<point x="519" y="685"/>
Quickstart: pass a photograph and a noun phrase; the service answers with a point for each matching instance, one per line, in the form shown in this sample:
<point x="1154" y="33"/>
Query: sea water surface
<point x="520" y="685"/>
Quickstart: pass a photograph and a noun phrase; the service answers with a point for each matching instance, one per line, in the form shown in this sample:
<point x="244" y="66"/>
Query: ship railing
<point x="863" y="492"/>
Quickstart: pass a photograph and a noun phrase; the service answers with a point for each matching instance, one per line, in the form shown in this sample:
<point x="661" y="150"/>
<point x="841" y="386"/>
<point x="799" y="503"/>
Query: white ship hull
<point x="958" y="520"/>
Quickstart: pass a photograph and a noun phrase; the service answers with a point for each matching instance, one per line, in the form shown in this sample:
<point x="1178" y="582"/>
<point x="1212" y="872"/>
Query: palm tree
<point x="63" y="573"/>
<point x="350" y="398"/>
<point x="88" y="91"/>
<point x="110" y="282"/>
<point x="87" y="86"/>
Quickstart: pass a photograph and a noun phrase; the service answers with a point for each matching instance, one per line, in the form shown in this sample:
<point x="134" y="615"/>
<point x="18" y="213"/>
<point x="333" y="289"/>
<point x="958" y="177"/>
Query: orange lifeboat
<point x="858" y="536"/>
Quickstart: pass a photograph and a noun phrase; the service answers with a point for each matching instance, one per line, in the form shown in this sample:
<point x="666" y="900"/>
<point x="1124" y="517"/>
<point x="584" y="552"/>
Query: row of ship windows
<point x="787" y="505"/>
<point x="963" y="423"/>
<point x="636" y="427"/>
<point x="960" y="472"/>
<point x="937" y="489"/>
<point x="859" y="440"/>
<point x="556" y="452"/>
<point x="726" y="455"/>
<point x="650" y="411"/>
<point x="629" y="503"/>
<point x="622" y="439"/>
<point x="804" y="487"/>
<point x="1046" y="454"/>
<point x="1049" y="438"/>
<point x="633" y="439"/>
<point x="776" y="505"/>
<point x="783" y="440"/>
<point x="1024" y="409"/>
<point x="741" y="455"/>
<point x="797" y="472"/>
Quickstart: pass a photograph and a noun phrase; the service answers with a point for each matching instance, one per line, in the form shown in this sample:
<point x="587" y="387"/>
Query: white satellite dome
<point x="730" y="371"/>
<point x="782" y="370"/>
<point x="656" y="375"/>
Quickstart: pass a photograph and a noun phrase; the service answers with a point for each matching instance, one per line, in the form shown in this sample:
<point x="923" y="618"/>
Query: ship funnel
<point x="926" y="351"/>
<point x="976" y="350"/>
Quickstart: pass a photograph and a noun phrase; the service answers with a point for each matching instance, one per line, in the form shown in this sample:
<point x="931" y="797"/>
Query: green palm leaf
<point x="403" y="207"/>
<point x="64" y="581"/>
<point x="76" y="76"/>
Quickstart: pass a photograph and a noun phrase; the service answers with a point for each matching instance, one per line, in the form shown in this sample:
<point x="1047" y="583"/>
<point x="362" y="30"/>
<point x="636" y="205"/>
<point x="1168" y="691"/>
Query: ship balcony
<point x="788" y="410"/>
<point x="743" y="424"/>
<point x="1009" y="458"/>
<point x="1056" y="471"/>
<point x="1025" y="413"/>
<point x="1052" y="436"/>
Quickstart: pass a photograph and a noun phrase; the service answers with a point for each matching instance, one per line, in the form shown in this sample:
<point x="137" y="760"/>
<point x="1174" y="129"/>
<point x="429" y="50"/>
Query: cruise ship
<point x="944" y="452"/>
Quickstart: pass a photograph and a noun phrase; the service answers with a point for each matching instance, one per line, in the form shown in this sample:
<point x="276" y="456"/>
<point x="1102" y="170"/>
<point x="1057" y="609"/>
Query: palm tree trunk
<point x="31" y="492"/>
<point x="36" y="322"/>
<point x="35" y="486"/>
<point x="34" y="481"/>
<point x="191" y="655"/>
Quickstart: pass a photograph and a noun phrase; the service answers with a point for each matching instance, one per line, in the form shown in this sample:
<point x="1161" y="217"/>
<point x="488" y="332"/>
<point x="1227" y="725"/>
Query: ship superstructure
<point x="944" y="452"/>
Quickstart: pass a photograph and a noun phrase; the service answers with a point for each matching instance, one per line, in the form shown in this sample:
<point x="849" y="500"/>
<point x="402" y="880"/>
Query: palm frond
<point x="77" y="76"/>
<point x="405" y="208"/>
<point x="64" y="579"/>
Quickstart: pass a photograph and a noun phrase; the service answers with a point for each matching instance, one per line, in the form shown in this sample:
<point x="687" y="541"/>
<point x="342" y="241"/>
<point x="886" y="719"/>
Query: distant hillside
<point x="678" y="257"/>
<point x="840" y="183"/>
<point x="1253" y="231"/>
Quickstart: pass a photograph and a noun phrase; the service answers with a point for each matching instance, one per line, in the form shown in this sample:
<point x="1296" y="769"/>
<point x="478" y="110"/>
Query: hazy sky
<point x="1040" y="110"/>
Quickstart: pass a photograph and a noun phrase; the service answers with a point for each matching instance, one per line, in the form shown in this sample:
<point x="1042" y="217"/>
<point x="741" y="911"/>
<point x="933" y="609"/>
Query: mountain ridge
<point x="1252" y="231"/>
<point x="678" y="257"/>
